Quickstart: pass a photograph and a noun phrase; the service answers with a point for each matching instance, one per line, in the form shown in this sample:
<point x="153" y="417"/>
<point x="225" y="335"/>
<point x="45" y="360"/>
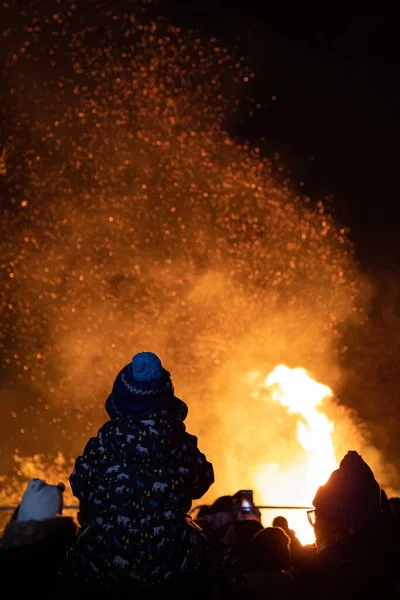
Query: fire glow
<point x="134" y="221"/>
<point x="301" y="395"/>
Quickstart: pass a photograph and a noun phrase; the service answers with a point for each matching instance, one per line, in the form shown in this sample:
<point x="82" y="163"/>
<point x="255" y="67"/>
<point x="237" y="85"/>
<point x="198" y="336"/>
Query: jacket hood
<point x="351" y="495"/>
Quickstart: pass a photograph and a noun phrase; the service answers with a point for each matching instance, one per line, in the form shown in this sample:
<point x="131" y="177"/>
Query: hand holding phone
<point x="244" y="506"/>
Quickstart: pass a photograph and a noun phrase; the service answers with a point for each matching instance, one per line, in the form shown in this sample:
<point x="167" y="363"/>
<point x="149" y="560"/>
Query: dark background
<point x="335" y="122"/>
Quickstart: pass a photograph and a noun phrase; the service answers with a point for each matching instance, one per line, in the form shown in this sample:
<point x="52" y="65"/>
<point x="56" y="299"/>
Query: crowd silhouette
<point x="136" y="482"/>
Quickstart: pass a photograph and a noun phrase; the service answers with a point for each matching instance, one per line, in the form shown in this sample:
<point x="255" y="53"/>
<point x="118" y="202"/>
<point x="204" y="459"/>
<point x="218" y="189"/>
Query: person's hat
<point x="222" y="504"/>
<point x="351" y="495"/>
<point x="141" y="386"/>
<point x="40" y="501"/>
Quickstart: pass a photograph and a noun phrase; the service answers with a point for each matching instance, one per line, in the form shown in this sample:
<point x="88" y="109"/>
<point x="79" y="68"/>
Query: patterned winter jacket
<point x="136" y="481"/>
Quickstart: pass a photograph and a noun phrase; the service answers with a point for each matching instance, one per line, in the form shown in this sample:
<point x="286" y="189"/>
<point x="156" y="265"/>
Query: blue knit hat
<point x="142" y="386"/>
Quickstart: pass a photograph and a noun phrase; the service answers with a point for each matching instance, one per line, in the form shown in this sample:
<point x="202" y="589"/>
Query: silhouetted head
<point x="281" y="522"/>
<point x="270" y="550"/>
<point x="220" y="514"/>
<point x="239" y="537"/>
<point x="350" y="501"/>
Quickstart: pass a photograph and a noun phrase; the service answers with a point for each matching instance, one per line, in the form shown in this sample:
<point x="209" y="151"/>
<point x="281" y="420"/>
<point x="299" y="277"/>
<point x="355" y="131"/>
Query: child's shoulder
<point x="152" y="423"/>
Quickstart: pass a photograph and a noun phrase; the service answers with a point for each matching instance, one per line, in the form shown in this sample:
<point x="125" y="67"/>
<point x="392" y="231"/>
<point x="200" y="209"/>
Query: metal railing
<point x="266" y="507"/>
<point x="285" y="507"/>
<point x="259" y="507"/>
<point x="12" y="508"/>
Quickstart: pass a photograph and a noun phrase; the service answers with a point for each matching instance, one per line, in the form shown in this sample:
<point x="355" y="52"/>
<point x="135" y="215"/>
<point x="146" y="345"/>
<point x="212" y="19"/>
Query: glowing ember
<point x="132" y="220"/>
<point x="295" y="390"/>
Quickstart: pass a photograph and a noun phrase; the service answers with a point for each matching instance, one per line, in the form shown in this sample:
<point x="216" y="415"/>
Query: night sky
<point x="335" y="74"/>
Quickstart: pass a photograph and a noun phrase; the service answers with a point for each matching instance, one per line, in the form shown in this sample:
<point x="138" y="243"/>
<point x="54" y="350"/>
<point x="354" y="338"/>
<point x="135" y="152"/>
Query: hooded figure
<point x="357" y="556"/>
<point x="351" y="496"/>
<point x="137" y="480"/>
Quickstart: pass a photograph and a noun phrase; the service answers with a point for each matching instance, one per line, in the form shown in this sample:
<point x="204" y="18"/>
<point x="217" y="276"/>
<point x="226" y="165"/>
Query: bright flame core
<point x="295" y="390"/>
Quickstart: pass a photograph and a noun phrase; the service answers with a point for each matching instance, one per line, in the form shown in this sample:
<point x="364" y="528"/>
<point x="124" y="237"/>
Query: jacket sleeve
<point x="205" y="476"/>
<point x="202" y="470"/>
<point x="81" y="478"/>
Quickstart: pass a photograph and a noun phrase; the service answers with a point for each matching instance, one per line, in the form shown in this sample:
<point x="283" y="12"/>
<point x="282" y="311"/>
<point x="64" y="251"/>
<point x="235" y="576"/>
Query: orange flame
<point x="295" y="390"/>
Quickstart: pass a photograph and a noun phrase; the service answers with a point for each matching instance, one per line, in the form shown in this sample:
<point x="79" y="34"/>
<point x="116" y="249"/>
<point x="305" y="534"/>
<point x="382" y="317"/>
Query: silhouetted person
<point x="357" y="558"/>
<point x="239" y="537"/>
<point x="136" y="480"/>
<point x="246" y="523"/>
<point x="35" y="540"/>
<point x="297" y="552"/>
<point x="220" y="515"/>
<point x="269" y="576"/>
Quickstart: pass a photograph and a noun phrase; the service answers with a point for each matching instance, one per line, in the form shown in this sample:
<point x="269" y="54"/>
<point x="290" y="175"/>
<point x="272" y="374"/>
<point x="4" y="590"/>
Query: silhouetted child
<point x="142" y="386"/>
<point x="136" y="481"/>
